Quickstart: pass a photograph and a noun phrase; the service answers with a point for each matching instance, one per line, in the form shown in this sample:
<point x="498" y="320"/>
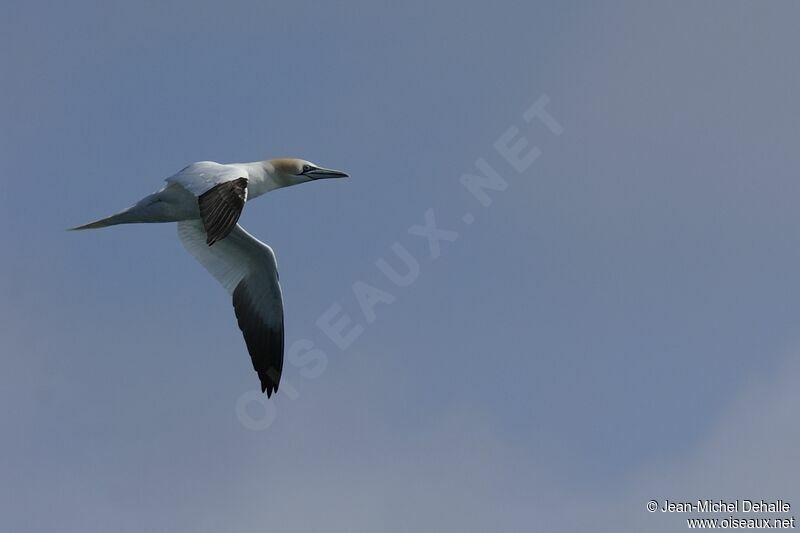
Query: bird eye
<point x="306" y="168"/>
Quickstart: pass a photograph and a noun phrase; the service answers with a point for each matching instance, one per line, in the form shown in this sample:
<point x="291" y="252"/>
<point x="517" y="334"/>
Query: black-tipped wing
<point x="220" y="208"/>
<point x="246" y="267"/>
<point x="263" y="335"/>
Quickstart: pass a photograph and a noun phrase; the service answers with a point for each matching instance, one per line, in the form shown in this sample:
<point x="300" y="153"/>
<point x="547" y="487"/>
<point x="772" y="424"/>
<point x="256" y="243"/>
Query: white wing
<point x="221" y="192"/>
<point x="199" y="177"/>
<point x="246" y="267"/>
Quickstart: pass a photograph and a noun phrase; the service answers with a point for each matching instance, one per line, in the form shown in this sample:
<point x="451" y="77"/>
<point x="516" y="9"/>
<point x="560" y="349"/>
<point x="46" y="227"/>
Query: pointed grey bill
<point x="220" y="208"/>
<point x="319" y="173"/>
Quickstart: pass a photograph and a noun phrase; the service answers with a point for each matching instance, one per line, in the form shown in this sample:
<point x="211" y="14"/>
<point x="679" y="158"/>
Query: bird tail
<point x="157" y="207"/>
<point x="123" y="217"/>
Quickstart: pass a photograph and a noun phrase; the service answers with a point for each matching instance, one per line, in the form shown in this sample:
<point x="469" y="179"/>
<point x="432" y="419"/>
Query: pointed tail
<point x="120" y="218"/>
<point x="156" y="207"/>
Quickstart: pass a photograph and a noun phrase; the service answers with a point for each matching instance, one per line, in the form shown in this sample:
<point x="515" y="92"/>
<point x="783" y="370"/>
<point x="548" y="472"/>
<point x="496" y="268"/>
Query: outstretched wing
<point x="246" y="267"/>
<point x="221" y="192"/>
<point x="220" y="208"/>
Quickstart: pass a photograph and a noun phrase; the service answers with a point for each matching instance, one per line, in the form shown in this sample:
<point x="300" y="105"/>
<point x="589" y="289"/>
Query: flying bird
<point x="206" y="199"/>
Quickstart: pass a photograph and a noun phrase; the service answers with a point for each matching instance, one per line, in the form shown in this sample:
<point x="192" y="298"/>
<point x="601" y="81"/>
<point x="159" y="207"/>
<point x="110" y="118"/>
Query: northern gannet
<point x="206" y="199"/>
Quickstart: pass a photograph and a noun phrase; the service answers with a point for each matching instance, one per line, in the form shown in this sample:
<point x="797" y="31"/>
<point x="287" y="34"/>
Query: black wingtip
<point x="264" y="339"/>
<point x="268" y="390"/>
<point x="269" y="381"/>
<point x="268" y="386"/>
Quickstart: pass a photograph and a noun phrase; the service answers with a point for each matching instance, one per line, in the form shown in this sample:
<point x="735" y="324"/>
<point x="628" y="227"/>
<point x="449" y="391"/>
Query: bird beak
<point x="322" y="173"/>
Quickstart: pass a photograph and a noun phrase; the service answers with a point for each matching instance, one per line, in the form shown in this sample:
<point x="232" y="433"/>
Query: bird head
<point x="287" y="171"/>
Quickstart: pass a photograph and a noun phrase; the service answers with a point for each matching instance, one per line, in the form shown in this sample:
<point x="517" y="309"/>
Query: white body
<point x="178" y="200"/>
<point x="245" y="266"/>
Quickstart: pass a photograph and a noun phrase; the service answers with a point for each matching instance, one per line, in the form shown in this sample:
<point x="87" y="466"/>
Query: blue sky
<point x="619" y="325"/>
